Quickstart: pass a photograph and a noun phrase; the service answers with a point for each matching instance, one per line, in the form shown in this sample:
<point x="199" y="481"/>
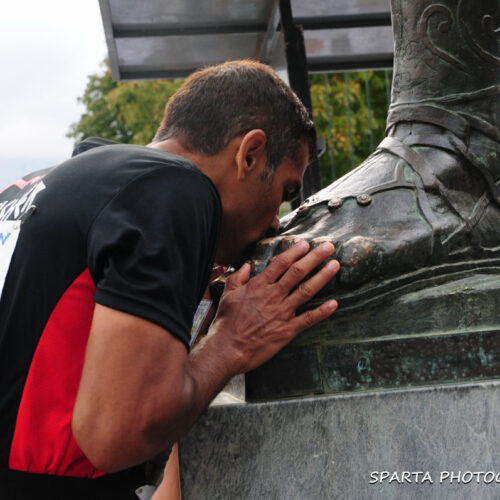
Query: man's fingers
<point x="283" y="261"/>
<point x="307" y="290"/>
<point x="240" y="277"/>
<point x="310" y="318"/>
<point x="301" y="268"/>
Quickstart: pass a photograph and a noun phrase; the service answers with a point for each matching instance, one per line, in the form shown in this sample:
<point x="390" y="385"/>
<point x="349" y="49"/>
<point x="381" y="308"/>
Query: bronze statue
<point x="423" y="211"/>
<point x="426" y="203"/>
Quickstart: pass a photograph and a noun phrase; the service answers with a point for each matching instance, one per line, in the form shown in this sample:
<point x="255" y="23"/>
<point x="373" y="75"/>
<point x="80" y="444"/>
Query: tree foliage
<point x="127" y="112"/>
<point x="130" y="112"/>
<point x="351" y="132"/>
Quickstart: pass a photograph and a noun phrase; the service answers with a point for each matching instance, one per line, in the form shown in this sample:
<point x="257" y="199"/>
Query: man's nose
<point x="276" y="223"/>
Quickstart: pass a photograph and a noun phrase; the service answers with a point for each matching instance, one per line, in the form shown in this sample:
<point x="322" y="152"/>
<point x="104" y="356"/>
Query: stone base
<point x="329" y="447"/>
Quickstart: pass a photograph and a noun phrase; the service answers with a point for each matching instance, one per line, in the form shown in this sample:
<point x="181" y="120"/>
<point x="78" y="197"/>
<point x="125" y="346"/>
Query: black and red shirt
<point x="128" y="227"/>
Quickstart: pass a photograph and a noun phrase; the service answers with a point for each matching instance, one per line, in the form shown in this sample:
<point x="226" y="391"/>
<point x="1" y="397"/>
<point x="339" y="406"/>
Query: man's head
<point x="221" y="102"/>
<point x="248" y="131"/>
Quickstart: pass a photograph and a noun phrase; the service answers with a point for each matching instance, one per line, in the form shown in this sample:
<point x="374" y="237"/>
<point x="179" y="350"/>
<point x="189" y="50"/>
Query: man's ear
<point x="251" y="152"/>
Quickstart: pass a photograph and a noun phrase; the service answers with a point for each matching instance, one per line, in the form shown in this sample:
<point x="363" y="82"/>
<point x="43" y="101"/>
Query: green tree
<point x="127" y="112"/>
<point x="351" y="132"/>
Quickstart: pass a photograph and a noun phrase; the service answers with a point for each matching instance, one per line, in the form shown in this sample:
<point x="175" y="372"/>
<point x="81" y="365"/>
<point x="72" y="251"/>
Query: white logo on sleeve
<point x="15" y="208"/>
<point x="9" y="232"/>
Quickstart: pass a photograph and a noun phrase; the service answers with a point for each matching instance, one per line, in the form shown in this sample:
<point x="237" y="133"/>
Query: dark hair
<point x="218" y="103"/>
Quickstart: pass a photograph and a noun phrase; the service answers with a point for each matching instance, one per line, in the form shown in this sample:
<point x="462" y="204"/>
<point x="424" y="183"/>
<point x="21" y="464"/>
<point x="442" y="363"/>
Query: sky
<point x="47" y="50"/>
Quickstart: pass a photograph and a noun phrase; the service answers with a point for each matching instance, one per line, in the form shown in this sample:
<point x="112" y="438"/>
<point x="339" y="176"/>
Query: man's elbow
<point x="107" y="451"/>
<point x="116" y="443"/>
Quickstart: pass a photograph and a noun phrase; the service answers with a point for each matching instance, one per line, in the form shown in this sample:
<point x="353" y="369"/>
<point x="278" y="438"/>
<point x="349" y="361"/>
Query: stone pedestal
<point x="336" y="447"/>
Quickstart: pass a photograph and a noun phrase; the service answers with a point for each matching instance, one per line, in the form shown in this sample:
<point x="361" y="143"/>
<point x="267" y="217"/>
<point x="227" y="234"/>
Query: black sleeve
<point x="151" y="249"/>
<point x="91" y="143"/>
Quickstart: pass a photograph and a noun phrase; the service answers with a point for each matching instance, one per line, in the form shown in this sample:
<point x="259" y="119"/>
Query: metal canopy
<point x="172" y="38"/>
<point x="151" y="39"/>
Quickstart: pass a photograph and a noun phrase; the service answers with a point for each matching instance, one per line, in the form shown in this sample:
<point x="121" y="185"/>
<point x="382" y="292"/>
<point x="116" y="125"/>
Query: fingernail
<point x="327" y="248"/>
<point x="331" y="305"/>
<point x="333" y="265"/>
<point x="303" y="245"/>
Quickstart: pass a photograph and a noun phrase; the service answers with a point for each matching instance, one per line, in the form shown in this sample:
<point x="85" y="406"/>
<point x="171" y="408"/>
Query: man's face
<point x="260" y="202"/>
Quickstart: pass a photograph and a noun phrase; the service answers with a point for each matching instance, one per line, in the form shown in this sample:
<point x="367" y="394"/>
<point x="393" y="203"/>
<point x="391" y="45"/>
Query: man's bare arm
<point x="140" y="391"/>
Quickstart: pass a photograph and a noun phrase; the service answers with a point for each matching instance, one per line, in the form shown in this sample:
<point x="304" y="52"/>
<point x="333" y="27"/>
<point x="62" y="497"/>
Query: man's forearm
<point x="206" y="372"/>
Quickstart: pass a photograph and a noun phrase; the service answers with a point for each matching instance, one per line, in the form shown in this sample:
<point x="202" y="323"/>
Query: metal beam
<point x="268" y="44"/>
<point x="155" y="74"/>
<point x="110" y="40"/>
<point x="254" y="26"/>
<point x="299" y="81"/>
<point x="345" y="21"/>
<point x="165" y="30"/>
<point x="349" y="63"/>
<point x="314" y="65"/>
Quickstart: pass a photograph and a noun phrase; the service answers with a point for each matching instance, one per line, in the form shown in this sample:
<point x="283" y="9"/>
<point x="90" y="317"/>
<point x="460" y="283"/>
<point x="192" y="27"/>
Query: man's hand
<point x="256" y="317"/>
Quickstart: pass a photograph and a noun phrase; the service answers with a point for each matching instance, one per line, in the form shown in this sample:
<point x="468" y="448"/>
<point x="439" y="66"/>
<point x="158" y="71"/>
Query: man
<point x="105" y="259"/>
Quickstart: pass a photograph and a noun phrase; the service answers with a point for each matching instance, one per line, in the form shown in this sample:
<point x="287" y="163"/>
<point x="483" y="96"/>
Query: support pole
<point x="330" y="127"/>
<point x="299" y="81"/>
